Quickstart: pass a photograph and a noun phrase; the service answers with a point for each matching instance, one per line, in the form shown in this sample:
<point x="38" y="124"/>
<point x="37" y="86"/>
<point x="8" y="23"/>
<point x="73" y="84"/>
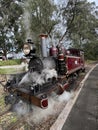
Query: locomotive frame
<point x="68" y="64"/>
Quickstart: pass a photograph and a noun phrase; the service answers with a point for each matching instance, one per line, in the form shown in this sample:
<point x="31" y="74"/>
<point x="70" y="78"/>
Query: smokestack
<point x="44" y="45"/>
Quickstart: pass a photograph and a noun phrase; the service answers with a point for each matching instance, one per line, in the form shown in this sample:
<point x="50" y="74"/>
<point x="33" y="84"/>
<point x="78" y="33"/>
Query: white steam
<point x="47" y="73"/>
<point x="21" y="108"/>
<point x="40" y="114"/>
<point x="37" y="78"/>
<point x="37" y="114"/>
<point x="49" y="63"/>
<point x="55" y="102"/>
<point x="27" y="19"/>
<point x="30" y="78"/>
<point x="65" y="96"/>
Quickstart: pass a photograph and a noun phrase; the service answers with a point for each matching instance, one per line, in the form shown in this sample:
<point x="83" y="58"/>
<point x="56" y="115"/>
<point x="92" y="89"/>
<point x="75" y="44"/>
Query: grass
<point x="10" y="62"/>
<point x="90" y="61"/>
<point x="11" y="70"/>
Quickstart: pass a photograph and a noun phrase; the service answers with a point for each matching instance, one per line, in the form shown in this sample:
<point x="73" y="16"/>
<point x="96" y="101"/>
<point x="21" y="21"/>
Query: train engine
<point x="48" y="73"/>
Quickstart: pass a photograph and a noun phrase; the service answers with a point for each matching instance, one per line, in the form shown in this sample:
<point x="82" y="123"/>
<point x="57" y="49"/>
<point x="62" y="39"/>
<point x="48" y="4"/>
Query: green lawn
<point x="10" y="62"/>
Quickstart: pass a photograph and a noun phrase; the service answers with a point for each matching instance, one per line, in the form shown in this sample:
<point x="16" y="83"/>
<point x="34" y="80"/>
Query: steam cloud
<point x="47" y="73"/>
<point x="27" y="19"/>
<point x="37" y="78"/>
<point x="54" y="101"/>
<point x="21" y="108"/>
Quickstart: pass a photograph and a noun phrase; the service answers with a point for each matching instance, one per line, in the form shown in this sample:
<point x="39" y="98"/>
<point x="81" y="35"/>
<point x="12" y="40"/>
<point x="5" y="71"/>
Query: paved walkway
<point x="84" y="114"/>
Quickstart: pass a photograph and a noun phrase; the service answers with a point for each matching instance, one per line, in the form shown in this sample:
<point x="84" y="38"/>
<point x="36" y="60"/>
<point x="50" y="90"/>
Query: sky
<point x="96" y="1"/>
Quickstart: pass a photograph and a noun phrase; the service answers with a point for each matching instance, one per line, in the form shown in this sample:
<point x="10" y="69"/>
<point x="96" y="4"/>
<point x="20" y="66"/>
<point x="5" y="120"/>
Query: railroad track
<point x="3" y="107"/>
<point x="6" y="117"/>
<point x="20" y="124"/>
<point x="16" y="125"/>
<point x="11" y="122"/>
<point x="5" y="112"/>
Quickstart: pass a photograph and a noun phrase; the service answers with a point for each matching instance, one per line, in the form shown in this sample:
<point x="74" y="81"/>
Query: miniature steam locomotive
<point x="51" y="72"/>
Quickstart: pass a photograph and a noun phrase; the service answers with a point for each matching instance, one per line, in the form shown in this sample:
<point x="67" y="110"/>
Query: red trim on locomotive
<point x="44" y="103"/>
<point x="75" y="60"/>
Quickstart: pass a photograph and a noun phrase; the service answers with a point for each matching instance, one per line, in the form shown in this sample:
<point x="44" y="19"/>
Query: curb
<point x="64" y="114"/>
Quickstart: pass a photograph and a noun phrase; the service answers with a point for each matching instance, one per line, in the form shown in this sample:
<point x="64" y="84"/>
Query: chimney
<point x="44" y="45"/>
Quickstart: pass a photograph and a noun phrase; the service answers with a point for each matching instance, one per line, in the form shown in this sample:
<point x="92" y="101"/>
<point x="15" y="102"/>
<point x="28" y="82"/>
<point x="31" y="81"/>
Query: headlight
<point x="26" y="48"/>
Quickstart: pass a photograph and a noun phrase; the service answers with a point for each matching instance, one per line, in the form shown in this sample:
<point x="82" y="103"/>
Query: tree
<point x="10" y="12"/>
<point x="81" y="23"/>
<point x="41" y="18"/>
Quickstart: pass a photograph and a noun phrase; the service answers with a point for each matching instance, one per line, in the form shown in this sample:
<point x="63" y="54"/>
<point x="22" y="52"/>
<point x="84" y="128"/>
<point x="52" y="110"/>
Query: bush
<point x="10" y="62"/>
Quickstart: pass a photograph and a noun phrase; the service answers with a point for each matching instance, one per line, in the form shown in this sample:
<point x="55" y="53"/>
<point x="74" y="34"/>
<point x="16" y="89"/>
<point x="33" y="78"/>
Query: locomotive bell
<point x="29" y="48"/>
<point x="53" y="51"/>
